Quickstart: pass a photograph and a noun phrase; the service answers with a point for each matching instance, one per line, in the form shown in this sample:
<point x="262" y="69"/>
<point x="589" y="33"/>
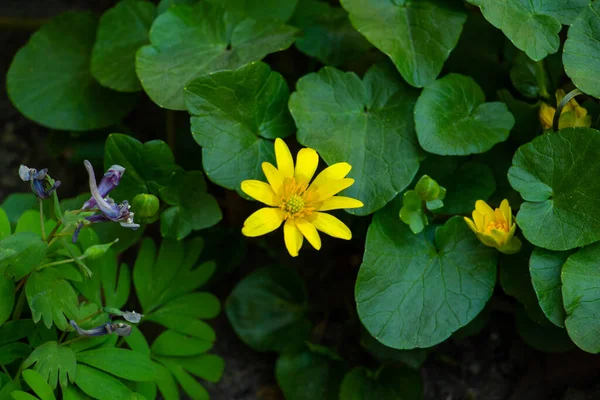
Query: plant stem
<point x="76" y="339"/>
<point x="53" y="233"/>
<point x="62" y="336"/>
<point x="56" y="263"/>
<point x="20" y="303"/>
<point x="4" y="369"/>
<point x="570" y="96"/>
<point x="42" y="220"/>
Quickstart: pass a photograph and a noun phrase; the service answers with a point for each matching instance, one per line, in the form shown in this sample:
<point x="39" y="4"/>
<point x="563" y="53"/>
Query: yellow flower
<point x="572" y="115"/>
<point x="293" y="199"/>
<point x="495" y="228"/>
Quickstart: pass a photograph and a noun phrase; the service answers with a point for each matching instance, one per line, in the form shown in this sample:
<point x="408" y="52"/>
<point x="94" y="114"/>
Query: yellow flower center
<point x="498" y="225"/>
<point x="294" y="204"/>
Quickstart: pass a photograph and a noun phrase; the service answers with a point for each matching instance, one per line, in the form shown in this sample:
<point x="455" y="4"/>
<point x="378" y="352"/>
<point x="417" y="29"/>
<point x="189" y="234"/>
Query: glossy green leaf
<point x="472" y="181"/>
<point x="123" y="363"/>
<point x="545" y="269"/>
<point x="55" y="363"/>
<point x="100" y="385"/>
<point x="367" y="124"/>
<point x="166" y="383"/>
<point x="452" y="118"/>
<point x="259" y="9"/>
<point x="16" y="204"/>
<point x="21" y="253"/>
<point x="148" y="166"/>
<point x="7" y="298"/>
<point x="410" y="33"/>
<point x="387" y="384"/>
<point x="531" y="26"/>
<point x="188" y="383"/>
<point x="412" y="292"/>
<point x="123" y="29"/>
<point x="59" y="91"/>
<point x="556" y="174"/>
<point x="268" y="310"/>
<point x="20" y="395"/>
<point x="4" y="224"/>
<point x="192" y="208"/>
<point x="214" y="41"/>
<point x="581" y="292"/>
<point x="581" y="54"/>
<point x="38" y="384"/>
<point x="29" y="221"/>
<point x="309" y="375"/>
<point x="530" y="77"/>
<point x="233" y="113"/>
<point x="327" y="33"/>
<point x="173" y="343"/>
<point x="51" y="298"/>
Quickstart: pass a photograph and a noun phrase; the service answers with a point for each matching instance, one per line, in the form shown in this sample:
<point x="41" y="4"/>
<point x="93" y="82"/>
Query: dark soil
<point x="493" y="365"/>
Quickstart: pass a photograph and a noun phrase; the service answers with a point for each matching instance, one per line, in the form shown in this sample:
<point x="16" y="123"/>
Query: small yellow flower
<point x="572" y="115"/>
<point x="293" y="199"/>
<point x="495" y="228"/>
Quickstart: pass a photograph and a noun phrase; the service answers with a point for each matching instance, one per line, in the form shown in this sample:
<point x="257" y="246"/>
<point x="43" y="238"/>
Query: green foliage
<point x="428" y="195"/>
<point x="385" y="384"/>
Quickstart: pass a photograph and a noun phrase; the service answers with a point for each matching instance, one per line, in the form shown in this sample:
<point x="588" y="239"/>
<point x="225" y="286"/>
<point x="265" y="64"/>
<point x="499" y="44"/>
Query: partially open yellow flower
<point x="572" y="115"/>
<point x="495" y="228"/>
<point x="293" y="199"/>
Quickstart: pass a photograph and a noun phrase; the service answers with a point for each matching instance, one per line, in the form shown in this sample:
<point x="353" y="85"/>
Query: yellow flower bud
<point x="495" y="228"/>
<point x="572" y="115"/>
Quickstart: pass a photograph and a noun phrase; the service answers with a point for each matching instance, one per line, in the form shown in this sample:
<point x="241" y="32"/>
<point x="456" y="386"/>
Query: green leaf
<point x="560" y="189"/>
<point x="172" y="343"/>
<point x="166" y="383"/>
<point x="472" y="181"/>
<point x="580" y="54"/>
<point x="137" y="342"/>
<point x="259" y="9"/>
<point x="530" y="77"/>
<point x="545" y="269"/>
<point x="193" y="209"/>
<point x="410" y="33"/>
<point x="197" y="305"/>
<point x="412" y="213"/>
<point x="20" y="395"/>
<point x="327" y="33"/>
<point x="73" y="393"/>
<point x="206" y="366"/>
<point x="165" y="4"/>
<point x="15" y="330"/>
<point x="55" y="363"/>
<point x="7" y="298"/>
<point x="527" y="117"/>
<point x="109" y="284"/>
<point x="452" y="118"/>
<point x="123" y="29"/>
<point x="16" y="204"/>
<point x="233" y="113"/>
<point x="5" y="392"/>
<point x="367" y="124"/>
<point x="123" y="363"/>
<point x="59" y="91"/>
<point x="4" y="224"/>
<point x="148" y="167"/>
<point x="544" y="337"/>
<point x="268" y="310"/>
<point x="21" y="253"/>
<point x="51" y="298"/>
<point x="30" y="222"/>
<point x="97" y="250"/>
<point x="188" y="383"/>
<point x="309" y="375"/>
<point x="387" y="384"/>
<point x="581" y="292"/>
<point x="214" y="41"/>
<point x="38" y="384"/>
<point x="99" y="385"/>
<point x="11" y="352"/>
<point x="411" y="292"/>
<point x="531" y="26"/>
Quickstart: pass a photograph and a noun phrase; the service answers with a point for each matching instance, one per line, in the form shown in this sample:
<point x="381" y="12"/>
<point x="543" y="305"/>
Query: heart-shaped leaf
<point x="452" y="118"/>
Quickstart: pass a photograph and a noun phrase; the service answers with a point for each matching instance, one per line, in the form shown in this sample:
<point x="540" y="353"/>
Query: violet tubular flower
<point x="110" y="211"/>
<point x="37" y="180"/>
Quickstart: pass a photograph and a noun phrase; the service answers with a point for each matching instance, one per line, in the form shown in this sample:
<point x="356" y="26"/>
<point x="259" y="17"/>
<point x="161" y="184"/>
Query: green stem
<point x="76" y="339"/>
<point x="570" y="96"/>
<point x="5" y="370"/>
<point x="56" y="263"/>
<point x="62" y="336"/>
<point x="20" y="304"/>
<point x="42" y="220"/>
<point x="52" y="235"/>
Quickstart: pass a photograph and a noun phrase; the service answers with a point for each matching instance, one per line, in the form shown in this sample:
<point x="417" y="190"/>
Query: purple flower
<point x="109" y="210"/>
<point x="37" y="180"/>
<point x="109" y="181"/>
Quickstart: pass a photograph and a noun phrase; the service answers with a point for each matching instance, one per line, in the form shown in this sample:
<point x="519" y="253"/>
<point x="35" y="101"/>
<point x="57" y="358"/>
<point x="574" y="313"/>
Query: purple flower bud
<point x="37" y="180"/>
<point x="109" y="181"/>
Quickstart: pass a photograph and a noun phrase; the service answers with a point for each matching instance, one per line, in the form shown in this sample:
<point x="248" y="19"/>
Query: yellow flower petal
<point x="260" y="191"/>
<point x="263" y="221"/>
<point x="293" y="237"/>
<point x="335" y="171"/>
<point x="337" y="202"/>
<point x="471" y="224"/>
<point x="330" y="225"/>
<point x="478" y="220"/>
<point x="309" y="232"/>
<point x="285" y="162"/>
<point x="273" y="175"/>
<point x="483" y="208"/>
<point x="506" y="212"/>
<point x="546" y="114"/>
<point x="332" y="188"/>
<point x="498" y="216"/>
<point x="307" y="161"/>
